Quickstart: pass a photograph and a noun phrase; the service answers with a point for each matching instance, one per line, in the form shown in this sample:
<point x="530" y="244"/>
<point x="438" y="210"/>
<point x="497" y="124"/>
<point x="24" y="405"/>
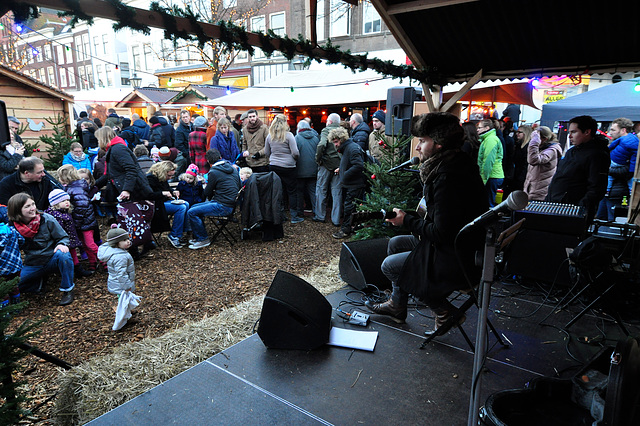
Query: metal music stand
<point x="496" y="240"/>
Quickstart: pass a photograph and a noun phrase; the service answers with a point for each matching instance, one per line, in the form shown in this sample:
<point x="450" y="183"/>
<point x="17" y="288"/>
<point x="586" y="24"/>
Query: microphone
<point x="517" y="200"/>
<point x="411" y="162"/>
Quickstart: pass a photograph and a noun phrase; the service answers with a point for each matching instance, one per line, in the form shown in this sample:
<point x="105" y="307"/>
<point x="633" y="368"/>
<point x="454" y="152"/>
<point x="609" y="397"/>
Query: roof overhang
<point x="514" y="38"/>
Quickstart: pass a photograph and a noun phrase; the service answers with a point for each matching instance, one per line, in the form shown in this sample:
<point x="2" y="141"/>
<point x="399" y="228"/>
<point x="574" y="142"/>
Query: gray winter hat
<point x="115" y="235"/>
<point x="200" y="122"/>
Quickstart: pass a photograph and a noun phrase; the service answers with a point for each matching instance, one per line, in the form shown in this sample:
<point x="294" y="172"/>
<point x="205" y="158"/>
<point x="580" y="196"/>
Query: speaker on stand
<point x="400" y="110"/>
<point x="294" y="315"/>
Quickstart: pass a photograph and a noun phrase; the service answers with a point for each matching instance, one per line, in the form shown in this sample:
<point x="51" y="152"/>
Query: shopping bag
<point x="135" y="217"/>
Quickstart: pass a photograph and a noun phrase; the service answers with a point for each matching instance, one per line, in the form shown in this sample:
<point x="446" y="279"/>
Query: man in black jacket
<point x="359" y="131"/>
<point x="30" y="178"/>
<point x="352" y="176"/>
<point x="581" y="176"/>
<point x="182" y="134"/>
<point x="425" y="263"/>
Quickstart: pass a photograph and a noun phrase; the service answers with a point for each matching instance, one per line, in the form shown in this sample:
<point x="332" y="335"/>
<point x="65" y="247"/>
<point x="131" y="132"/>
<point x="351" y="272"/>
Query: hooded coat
<point x="360" y="135"/>
<point x="227" y="145"/>
<point x="307" y="141"/>
<point x="83" y="212"/>
<point x="122" y="272"/>
<point x="141" y="128"/>
<point x="543" y="160"/>
<point x="123" y="170"/>
<point x="223" y="184"/>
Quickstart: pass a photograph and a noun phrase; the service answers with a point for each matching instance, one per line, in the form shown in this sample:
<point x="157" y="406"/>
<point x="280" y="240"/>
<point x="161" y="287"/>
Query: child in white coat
<point x="122" y="273"/>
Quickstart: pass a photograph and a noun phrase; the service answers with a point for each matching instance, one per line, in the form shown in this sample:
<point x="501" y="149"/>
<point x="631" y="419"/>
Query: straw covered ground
<point x="195" y="304"/>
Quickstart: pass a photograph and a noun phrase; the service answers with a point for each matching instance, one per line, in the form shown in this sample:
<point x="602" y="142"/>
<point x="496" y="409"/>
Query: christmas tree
<point x="387" y="191"/>
<point x="58" y="144"/>
<point x="10" y="398"/>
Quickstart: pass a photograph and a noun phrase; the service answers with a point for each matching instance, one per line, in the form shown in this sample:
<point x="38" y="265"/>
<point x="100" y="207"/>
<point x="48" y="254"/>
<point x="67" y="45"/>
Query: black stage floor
<point x="397" y="383"/>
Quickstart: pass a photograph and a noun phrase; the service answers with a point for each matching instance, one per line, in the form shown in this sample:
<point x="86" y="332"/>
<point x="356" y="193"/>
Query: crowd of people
<point x="197" y="167"/>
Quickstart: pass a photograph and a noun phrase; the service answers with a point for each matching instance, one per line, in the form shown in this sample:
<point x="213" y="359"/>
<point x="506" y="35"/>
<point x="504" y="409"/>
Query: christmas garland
<point x="234" y="37"/>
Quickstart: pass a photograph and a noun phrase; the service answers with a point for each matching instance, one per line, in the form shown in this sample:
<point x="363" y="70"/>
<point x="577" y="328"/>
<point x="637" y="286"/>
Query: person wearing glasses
<point x="490" y="159"/>
<point x="30" y="178"/>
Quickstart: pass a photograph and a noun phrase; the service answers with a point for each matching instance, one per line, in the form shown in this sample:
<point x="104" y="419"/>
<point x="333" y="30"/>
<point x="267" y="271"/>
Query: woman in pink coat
<point x="543" y="155"/>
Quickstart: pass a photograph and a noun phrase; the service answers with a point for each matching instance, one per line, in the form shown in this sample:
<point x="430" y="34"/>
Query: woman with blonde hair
<point x="166" y="202"/>
<point x="281" y="149"/>
<point x="543" y="156"/>
<point x="523" y="136"/>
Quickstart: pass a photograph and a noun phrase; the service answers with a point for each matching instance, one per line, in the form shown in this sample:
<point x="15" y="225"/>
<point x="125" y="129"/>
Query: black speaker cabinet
<point x="541" y="256"/>
<point x="400" y="110"/>
<point x="4" y="124"/>
<point x="294" y="315"/>
<point x="360" y="263"/>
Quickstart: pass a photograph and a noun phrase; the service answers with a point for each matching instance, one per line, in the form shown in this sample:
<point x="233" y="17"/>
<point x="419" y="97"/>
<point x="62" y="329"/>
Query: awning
<point x="511" y="93"/>
<point x="332" y="85"/>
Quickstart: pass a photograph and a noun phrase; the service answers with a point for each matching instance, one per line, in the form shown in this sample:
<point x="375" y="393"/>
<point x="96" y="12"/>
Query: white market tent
<point x="332" y="85"/>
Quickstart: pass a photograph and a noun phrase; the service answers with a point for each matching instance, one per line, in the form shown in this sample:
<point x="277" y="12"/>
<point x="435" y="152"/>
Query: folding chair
<point x="220" y="222"/>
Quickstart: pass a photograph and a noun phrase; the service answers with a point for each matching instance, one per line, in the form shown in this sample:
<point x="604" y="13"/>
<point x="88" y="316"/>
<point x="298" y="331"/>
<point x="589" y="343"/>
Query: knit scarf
<point x="429" y="169"/>
<point x="30" y="229"/>
<point x="79" y="158"/>
<point x="252" y="128"/>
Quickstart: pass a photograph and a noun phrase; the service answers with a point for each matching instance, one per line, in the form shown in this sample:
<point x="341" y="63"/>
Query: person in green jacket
<point x="490" y="159"/>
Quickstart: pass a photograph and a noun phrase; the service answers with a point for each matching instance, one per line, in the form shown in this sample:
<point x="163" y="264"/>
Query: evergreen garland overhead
<point x="234" y="37"/>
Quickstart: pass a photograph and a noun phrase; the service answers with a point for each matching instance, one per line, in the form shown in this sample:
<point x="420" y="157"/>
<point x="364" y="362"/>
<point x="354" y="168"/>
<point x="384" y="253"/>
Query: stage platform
<point x="397" y="383"/>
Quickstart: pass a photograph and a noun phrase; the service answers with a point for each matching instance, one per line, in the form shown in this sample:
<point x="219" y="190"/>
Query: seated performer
<point x="425" y="263"/>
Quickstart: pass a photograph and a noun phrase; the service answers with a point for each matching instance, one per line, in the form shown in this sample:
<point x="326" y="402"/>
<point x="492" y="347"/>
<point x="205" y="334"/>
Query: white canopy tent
<point x="333" y="85"/>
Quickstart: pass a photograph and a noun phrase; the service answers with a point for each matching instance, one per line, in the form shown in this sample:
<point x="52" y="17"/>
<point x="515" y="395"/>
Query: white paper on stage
<point x="364" y="340"/>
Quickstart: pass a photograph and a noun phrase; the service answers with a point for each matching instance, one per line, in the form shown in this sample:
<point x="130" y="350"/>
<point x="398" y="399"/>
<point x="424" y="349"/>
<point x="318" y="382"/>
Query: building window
<point x="82" y="76"/>
<point x="69" y="53"/>
<point x="135" y="52"/>
<point x="109" y="74"/>
<point x="41" y="77"/>
<point x="72" y="77"/>
<point x="39" y="54"/>
<point x="96" y="45"/>
<point x="52" y="76"/>
<point x="124" y="73"/>
<point x="89" y="71"/>
<point x="63" y="77"/>
<point x="105" y="44"/>
<point x="340" y="18"/>
<point x="79" y="49"/>
<point x="148" y="56"/>
<point x="87" y="47"/>
<point x="258" y="24"/>
<point x="99" y="75"/>
<point x="47" y="52"/>
<point x="276" y="23"/>
<point x="371" y="19"/>
<point x="320" y="20"/>
<point x="60" y="54"/>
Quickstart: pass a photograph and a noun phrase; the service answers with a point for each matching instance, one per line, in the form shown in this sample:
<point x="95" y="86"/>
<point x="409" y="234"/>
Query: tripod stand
<point x="495" y="242"/>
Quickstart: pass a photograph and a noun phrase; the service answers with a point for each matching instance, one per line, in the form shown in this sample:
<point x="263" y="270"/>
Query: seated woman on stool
<point x="425" y="263"/>
<point x="46" y="246"/>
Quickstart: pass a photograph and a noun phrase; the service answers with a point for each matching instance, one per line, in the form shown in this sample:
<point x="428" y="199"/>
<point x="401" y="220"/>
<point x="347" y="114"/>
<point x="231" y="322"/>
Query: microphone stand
<point x="496" y="239"/>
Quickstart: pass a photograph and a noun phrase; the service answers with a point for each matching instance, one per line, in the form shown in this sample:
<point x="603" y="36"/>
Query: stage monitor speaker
<point x="541" y="255"/>
<point x="294" y="315"/>
<point x="360" y="263"/>
<point x="400" y="110"/>
<point x="4" y="124"/>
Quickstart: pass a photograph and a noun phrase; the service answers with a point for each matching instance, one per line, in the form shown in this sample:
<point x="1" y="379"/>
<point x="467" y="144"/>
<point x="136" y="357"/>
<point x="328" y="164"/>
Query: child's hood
<point x="105" y="251"/>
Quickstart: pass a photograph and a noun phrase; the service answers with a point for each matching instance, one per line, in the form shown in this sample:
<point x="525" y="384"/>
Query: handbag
<point x="135" y="217"/>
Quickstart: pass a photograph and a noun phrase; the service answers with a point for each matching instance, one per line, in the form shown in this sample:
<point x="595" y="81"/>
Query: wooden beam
<point x="463" y="91"/>
<point x="414" y="6"/>
<point x="428" y="97"/>
<point x="400" y="35"/>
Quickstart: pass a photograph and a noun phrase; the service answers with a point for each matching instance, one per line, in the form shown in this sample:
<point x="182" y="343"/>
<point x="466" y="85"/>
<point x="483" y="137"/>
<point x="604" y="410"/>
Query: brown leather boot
<point x="397" y="313"/>
<point x="443" y="314"/>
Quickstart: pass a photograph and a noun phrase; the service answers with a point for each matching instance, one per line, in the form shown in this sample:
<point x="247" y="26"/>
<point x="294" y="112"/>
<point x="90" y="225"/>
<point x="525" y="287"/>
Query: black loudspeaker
<point x="4" y="124"/>
<point x="294" y="315"/>
<point x="541" y="255"/>
<point x="360" y="263"/>
<point x="400" y="110"/>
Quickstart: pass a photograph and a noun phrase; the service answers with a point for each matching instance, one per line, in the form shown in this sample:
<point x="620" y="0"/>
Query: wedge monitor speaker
<point x="294" y="315"/>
